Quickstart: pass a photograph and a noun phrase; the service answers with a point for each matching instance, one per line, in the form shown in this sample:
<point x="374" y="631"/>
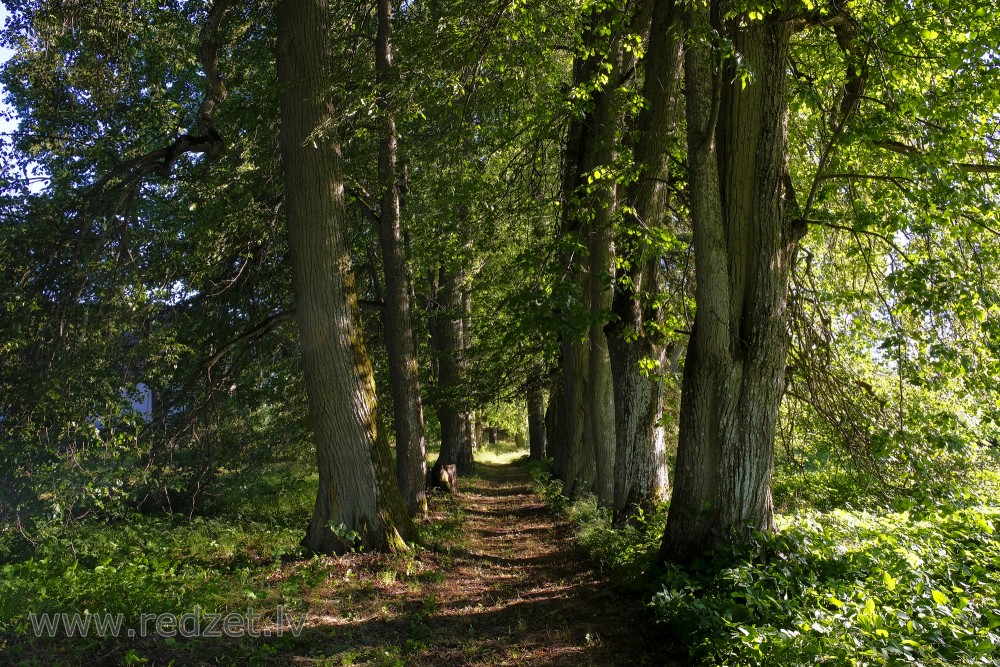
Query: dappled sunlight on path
<point x="514" y="590"/>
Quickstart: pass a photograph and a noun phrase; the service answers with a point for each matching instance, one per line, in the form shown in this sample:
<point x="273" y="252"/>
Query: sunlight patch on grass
<point x="502" y="453"/>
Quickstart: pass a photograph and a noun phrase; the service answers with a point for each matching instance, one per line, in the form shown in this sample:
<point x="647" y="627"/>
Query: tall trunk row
<point x="404" y="369"/>
<point x="607" y="407"/>
<point x="584" y="457"/>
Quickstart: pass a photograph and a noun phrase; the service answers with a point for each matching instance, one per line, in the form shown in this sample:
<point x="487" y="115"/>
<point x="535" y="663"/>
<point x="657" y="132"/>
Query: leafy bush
<point x="548" y="487"/>
<point x="920" y="586"/>
<point x="846" y="588"/>
<point x="628" y="551"/>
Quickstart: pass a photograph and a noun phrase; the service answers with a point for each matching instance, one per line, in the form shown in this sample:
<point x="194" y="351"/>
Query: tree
<point x="404" y="367"/>
<point x="587" y="443"/>
<point x="746" y="229"/>
<point x="636" y="336"/>
<point x="447" y="339"/>
<point x="358" y="502"/>
<point x="536" y="422"/>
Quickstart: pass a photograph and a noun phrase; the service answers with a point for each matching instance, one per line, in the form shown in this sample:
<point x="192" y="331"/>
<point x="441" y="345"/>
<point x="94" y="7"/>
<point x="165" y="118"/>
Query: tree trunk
<point x="576" y="467"/>
<point x="553" y="427"/>
<point x="599" y="421"/>
<point x="404" y="369"/>
<point x="743" y="240"/>
<point x="536" y="423"/>
<point x="446" y="339"/>
<point x="636" y="342"/>
<point x="568" y="399"/>
<point x="358" y="502"/>
<point x="478" y="429"/>
<point x="466" y="463"/>
<point x="585" y="460"/>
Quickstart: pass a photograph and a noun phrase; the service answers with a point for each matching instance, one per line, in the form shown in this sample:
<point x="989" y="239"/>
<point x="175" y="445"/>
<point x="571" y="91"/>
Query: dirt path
<point x="514" y="591"/>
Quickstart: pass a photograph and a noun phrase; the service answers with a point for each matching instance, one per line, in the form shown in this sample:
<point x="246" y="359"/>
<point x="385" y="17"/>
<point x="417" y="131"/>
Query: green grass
<point x="240" y="550"/>
<point x="502" y="453"/>
<point x="244" y="554"/>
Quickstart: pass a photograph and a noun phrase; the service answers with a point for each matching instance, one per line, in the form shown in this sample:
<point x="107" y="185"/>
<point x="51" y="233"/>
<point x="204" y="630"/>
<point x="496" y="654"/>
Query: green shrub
<point x="845" y="588"/>
<point x="628" y="551"/>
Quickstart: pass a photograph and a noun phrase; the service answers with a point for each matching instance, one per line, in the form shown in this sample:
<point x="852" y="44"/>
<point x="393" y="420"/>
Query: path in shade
<point x="519" y="592"/>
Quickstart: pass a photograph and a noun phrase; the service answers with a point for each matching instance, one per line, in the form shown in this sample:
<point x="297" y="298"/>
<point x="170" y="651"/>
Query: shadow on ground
<point x="511" y="588"/>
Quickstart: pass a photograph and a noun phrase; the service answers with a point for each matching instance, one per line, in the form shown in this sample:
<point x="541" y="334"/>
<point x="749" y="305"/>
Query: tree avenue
<point x="715" y="264"/>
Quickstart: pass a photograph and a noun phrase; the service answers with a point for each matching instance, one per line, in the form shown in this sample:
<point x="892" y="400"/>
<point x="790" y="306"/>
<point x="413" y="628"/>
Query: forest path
<point x="513" y="590"/>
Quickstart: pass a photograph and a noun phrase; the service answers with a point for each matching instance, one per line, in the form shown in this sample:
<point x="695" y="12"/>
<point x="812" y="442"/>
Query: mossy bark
<point x="358" y="503"/>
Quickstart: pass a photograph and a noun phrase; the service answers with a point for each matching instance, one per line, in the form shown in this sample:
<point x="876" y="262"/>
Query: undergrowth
<point x="835" y="587"/>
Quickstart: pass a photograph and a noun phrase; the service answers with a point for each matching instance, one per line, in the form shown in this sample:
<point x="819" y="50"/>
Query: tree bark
<point x="478" y="429"/>
<point x="568" y="396"/>
<point x="599" y="422"/>
<point x="536" y="423"/>
<point x="635" y="335"/>
<point x="585" y="456"/>
<point x="466" y="463"/>
<point x="446" y="340"/>
<point x="358" y="503"/>
<point x="404" y="368"/>
<point x="743" y="240"/>
<point x="553" y="426"/>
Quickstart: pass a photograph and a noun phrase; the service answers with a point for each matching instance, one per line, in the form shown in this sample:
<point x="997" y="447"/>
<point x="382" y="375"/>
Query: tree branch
<point x="252" y="334"/>
<point x="127" y="176"/>
<point x="844" y="228"/>
<point x="907" y="149"/>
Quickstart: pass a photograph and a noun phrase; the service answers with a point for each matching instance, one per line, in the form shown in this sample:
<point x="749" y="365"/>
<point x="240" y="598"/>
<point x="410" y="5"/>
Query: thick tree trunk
<point x="358" y="502"/>
<point x="404" y="369"/>
<point x="743" y="239"/>
<point x="536" y="423"/>
<point x="641" y="470"/>
<point x="637" y="346"/>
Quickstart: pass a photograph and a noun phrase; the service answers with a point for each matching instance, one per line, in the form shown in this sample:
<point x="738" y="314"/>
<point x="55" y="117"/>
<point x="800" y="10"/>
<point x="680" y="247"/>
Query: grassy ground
<point x="497" y="581"/>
